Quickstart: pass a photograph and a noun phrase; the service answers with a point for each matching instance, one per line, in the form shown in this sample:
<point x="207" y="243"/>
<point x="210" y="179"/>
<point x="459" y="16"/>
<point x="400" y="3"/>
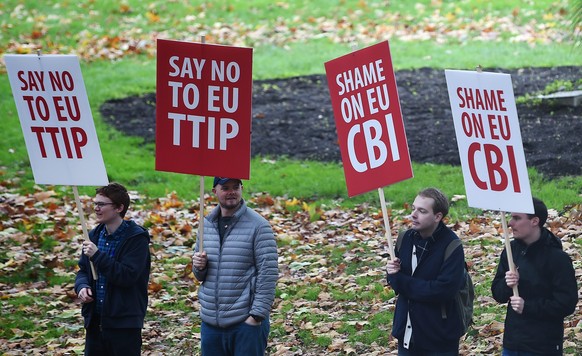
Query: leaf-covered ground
<point x="53" y="30"/>
<point x="332" y="297"/>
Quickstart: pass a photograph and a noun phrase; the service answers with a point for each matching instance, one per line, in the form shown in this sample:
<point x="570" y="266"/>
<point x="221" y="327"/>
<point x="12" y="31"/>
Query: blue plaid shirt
<point x="107" y="244"/>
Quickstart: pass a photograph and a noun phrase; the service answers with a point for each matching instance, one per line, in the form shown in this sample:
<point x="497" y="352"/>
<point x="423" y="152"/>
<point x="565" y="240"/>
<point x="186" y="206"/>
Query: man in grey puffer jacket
<point x="238" y="270"/>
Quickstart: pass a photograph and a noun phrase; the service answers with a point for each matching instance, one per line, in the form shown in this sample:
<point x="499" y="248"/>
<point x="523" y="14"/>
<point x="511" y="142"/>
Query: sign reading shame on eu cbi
<point x="368" y="119"/>
<point x="489" y="141"/>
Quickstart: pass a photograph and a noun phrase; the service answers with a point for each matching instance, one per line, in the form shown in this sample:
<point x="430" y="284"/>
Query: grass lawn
<point x="289" y="38"/>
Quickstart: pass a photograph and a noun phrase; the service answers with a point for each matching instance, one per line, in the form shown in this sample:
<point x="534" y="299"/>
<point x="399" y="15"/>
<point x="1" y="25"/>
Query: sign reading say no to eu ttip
<point x="489" y="140"/>
<point x="368" y="119"/>
<point x="56" y="119"/>
<point x="203" y="109"/>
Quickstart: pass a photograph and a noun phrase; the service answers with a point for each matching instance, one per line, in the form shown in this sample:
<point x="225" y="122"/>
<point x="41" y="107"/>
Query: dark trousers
<point x="112" y="342"/>
<point x="415" y="351"/>
<point x="237" y="340"/>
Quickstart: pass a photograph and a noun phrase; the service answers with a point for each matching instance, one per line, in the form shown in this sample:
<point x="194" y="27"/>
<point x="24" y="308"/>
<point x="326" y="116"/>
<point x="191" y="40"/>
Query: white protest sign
<point x="489" y="140"/>
<point x="56" y="119"/>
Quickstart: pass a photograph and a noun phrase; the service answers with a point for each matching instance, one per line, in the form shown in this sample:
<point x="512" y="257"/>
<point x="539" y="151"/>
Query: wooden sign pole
<point x="508" y="250"/>
<point x="201" y="217"/>
<point x="201" y="199"/>
<point x="83" y="225"/>
<point x="388" y="233"/>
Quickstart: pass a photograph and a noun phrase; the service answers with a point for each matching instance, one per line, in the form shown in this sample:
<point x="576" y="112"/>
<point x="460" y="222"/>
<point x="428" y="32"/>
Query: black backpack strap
<point x="450" y="248"/>
<point x="399" y="239"/>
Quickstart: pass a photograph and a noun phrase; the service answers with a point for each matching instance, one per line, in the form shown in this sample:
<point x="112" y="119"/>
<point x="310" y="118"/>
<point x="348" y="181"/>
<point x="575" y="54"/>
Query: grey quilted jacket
<point x="241" y="275"/>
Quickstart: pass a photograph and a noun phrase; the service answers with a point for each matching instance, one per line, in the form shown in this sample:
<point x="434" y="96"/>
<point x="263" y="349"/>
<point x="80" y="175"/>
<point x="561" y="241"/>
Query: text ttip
<point x="60" y="139"/>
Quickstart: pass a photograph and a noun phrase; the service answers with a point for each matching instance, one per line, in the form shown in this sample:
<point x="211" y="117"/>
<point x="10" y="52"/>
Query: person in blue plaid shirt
<point x="114" y="305"/>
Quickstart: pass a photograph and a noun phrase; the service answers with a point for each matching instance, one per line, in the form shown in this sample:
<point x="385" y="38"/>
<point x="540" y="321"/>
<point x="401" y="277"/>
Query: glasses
<point x="100" y="204"/>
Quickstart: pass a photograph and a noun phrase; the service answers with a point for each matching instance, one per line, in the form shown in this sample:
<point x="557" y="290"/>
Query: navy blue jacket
<point x="127" y="273"/>
<point x="547" y="283"/>
<point x="433" y="285"/>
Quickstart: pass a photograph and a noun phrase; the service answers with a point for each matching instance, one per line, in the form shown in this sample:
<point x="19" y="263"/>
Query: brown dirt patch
<point x="293" y="117"/>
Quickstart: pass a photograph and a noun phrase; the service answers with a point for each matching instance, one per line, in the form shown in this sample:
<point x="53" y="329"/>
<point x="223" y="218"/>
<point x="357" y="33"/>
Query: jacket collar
<point x="436" y="234"/>
<point x="547" y="240"/>
<point x="215" y="213"/>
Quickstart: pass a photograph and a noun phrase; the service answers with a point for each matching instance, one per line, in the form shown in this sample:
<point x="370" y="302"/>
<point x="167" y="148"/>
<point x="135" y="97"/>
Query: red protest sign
<point x="368" y="119"/>
<point x="203" y="109"/>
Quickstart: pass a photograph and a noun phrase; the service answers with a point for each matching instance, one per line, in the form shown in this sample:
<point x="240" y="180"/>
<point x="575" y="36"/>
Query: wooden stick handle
<point x="201" y="217"/>
<point x="508" y="250"/>
<point x="201" y="199"/>
<point x="83" y="225"/>
<point x="386" y="224"/>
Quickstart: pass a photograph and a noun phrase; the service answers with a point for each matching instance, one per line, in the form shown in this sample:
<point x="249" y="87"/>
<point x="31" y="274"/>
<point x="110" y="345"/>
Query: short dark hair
<point x="441" y="202"/>
<point x="540" y="210"/>
<point x="118" y="195"/>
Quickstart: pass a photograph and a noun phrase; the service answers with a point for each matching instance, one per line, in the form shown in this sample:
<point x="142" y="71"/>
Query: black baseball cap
<point x="222" y="180"/>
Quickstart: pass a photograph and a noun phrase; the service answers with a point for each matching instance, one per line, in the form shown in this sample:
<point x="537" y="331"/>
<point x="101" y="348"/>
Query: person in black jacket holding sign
<point x="114" y="305"/>
<point x="426" y="319"/>
<point x="546" y="283"/>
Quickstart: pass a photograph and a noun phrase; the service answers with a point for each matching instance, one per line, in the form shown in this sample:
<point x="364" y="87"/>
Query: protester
<point x="546" y="284"/>
<point x="426" y="320"/>
<point x="238" y="270"/>
<point x="114" y="305"/>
